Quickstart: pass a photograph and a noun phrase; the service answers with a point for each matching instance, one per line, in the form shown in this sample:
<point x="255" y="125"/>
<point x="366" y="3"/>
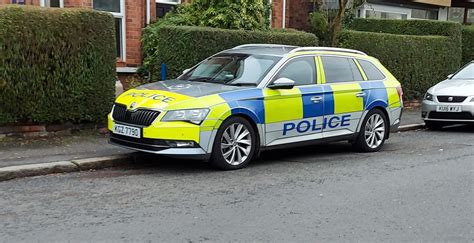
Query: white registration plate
<point x="448" y="108"/>
<point x="128" y="131"/>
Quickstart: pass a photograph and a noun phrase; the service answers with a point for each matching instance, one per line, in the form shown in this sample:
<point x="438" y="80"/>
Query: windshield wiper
<point x="242" y="84"/>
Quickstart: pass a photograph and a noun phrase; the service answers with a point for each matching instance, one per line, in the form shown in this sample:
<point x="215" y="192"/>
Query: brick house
<point x="132" y="15"/>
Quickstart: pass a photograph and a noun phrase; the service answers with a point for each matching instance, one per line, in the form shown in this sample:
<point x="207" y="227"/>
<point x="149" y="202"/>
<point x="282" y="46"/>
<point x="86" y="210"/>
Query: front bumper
<point x="429" y="112"/>
<point x="158" y="146"/>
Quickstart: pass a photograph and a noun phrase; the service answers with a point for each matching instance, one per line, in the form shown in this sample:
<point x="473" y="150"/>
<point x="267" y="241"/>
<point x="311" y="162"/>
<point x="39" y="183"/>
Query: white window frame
<point x="43" y="3"/>
<point x="121" y="16"/>
<point x="168" y="2"/>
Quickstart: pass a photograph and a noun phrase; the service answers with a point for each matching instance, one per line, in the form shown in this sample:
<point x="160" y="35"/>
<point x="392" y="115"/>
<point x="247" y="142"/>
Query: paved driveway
<point x="419" y="188"/>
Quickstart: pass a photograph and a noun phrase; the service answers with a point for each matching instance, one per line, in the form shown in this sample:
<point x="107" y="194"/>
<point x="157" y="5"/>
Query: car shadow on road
<point x="469" y="128"/>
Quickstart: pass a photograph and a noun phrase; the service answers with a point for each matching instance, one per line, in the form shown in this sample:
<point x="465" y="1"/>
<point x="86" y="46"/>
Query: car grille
<point x="456" y="99"/>
<point x="141" y="117"/>
<point x="451" y="115"/>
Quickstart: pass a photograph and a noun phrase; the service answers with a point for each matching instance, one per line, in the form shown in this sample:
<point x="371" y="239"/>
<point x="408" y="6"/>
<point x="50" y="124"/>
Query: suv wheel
<point x="234" y="145"/>
<point x="373" y="132"/>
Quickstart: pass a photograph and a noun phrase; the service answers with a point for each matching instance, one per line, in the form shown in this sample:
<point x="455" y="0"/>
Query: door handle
<point x="316" y="99"/>
<point x="360" y="94"/>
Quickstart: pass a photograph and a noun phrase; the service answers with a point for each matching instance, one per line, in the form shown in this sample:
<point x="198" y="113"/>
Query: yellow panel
<point x="282" y="105"/>
<point x="173" y="131"/>
<point x="152" y="99"/>
<point x="321" y="74"/>
<point x="345" y="99"/>
<point x="393" y="98"/>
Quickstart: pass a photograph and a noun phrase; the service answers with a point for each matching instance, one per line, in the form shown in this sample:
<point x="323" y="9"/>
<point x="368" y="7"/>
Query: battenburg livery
<point x="253" y="97"/>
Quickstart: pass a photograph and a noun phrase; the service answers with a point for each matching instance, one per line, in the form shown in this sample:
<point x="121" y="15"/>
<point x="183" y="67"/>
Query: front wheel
<point x="234" y="145"/>
<point x="373" y="132"/>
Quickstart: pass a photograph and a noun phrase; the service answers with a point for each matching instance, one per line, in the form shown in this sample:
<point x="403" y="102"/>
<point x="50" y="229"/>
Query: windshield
<point x="466" y="73"/>
<point x="232" y="69"/>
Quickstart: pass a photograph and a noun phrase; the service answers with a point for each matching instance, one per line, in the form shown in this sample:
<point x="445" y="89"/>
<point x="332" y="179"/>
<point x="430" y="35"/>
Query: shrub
<point x="418" y="62"/>
<point x="467" y="44"/>
<point x="56" y="65"/>
<point x="181" y="47"/>
<point x="226" y="14"/>
<point x="318" y="25"/>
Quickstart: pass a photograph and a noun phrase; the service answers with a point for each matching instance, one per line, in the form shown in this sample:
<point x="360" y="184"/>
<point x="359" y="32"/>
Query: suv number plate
<point x="128" y="131"/>
<point x="448" y="108"/>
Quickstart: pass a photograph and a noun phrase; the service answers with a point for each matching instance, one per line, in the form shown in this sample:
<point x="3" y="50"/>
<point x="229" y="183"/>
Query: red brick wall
<point x="296" y="14"/>
<point x="299" y="13"/>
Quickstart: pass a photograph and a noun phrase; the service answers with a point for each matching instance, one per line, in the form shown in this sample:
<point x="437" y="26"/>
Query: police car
<point x="254" y="97"/>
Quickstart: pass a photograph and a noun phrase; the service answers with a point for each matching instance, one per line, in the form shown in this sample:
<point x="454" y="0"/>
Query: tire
<point x="373" y="132"/>
<point x="434" y="125"/>
<point x="232" y="152"/>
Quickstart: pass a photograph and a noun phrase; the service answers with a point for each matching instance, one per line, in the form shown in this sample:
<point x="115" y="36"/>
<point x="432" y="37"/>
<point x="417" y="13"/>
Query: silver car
<point x="451" y="101"/>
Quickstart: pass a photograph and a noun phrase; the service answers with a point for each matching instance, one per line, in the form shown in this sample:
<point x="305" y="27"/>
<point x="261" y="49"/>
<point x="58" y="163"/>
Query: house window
<point x="424" y="14"/>
<point x="165" y="6"/>
<point x="52" y="3"/>
<point x="385" y="15"/>
<point x="117" y="9"/>
<point x="456" y="14"/>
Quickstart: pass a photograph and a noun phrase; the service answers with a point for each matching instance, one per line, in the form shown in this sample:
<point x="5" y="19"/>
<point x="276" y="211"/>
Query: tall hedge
<point x="407" y="27"/>
<point x="418" y="62"/>
<point x="181" y="47"/>
<point x="56" y="65"/>
<point x="420" y="53"/>
<point x="468" y="43"/>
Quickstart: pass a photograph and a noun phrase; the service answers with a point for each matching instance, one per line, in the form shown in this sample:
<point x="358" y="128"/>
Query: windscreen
<point x="232" y="69"/>
<point x="466" y="73"/>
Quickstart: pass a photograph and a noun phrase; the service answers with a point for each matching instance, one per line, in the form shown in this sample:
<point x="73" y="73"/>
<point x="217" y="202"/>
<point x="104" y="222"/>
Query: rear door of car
<point x="343" y="94"/>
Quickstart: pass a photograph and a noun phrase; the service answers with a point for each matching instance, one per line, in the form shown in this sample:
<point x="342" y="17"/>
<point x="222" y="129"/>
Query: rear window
<point x="371" y="71"/>
<point x="340" y="69"/>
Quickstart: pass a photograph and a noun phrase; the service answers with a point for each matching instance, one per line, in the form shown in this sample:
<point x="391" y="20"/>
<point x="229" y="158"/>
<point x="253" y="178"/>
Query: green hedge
<point x="418" y="62"/>
<point x="407" y="27"/>
<point x="468" y="43"/>
<point x="56" y="65"/>
<point x="181" y="47"/>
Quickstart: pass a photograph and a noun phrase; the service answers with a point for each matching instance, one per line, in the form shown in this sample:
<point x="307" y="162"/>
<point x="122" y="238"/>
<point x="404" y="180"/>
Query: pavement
<point x="418" y="188"/>
<point x="14" y="152"/>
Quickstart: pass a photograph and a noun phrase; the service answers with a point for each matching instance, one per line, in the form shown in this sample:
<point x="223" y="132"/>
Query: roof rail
<point x="334" y="49"/>
<point x="263" y="45"/>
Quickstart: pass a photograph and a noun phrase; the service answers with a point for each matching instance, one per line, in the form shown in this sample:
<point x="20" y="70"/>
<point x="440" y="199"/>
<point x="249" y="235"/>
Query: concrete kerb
<point x="21" y="171"/>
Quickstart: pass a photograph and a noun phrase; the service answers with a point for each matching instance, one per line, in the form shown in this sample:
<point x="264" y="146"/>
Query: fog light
<point x="181" y="144"/>
<point x="185" y="144"/>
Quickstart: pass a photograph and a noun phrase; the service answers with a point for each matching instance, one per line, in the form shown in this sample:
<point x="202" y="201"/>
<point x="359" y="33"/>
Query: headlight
<point x="195" y="116"/>
<point x="428" y="96"/>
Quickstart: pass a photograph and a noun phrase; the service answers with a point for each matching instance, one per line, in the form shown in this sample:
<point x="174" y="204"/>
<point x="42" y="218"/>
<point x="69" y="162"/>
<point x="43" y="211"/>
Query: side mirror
<point x="450" y="76"/>
<point x="282" y="83"/>
<point x="186" y="70"/>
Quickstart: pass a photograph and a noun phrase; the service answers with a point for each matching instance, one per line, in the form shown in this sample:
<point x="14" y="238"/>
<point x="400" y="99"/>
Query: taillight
<point x="400" y="92"/>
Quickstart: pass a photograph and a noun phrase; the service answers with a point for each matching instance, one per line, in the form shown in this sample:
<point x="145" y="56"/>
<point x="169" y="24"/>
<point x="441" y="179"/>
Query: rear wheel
<point x="234" y="145"/>
<point x="373" y="132"/>
<point x="434" y="125"/>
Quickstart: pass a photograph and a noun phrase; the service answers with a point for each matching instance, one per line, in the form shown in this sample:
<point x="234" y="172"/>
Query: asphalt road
<point x="419" y="188"/>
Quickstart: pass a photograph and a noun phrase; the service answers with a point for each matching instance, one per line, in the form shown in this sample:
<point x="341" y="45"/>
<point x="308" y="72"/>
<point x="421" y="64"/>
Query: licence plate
<point x="128" y="131"/>
<point x="448" y="108"/>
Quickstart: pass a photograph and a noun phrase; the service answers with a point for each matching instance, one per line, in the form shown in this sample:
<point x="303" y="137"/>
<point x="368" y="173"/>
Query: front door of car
<point x="343" y="95"/>
<point x="287" y="111"/>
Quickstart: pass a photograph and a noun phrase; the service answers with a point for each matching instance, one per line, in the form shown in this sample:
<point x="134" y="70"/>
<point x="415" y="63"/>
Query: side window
<point x="302" y="70"/>
<point x="371" y="71"/>
<point x="340" y="69"/>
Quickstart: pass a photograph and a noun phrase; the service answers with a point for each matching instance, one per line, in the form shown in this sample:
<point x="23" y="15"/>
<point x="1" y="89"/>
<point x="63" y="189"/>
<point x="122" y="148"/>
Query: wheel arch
<point x="380" y="106"/>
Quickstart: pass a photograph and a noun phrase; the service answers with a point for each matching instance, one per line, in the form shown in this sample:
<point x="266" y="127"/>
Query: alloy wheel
<point x="236" y="144"/>
<point x="375" y="131"/>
